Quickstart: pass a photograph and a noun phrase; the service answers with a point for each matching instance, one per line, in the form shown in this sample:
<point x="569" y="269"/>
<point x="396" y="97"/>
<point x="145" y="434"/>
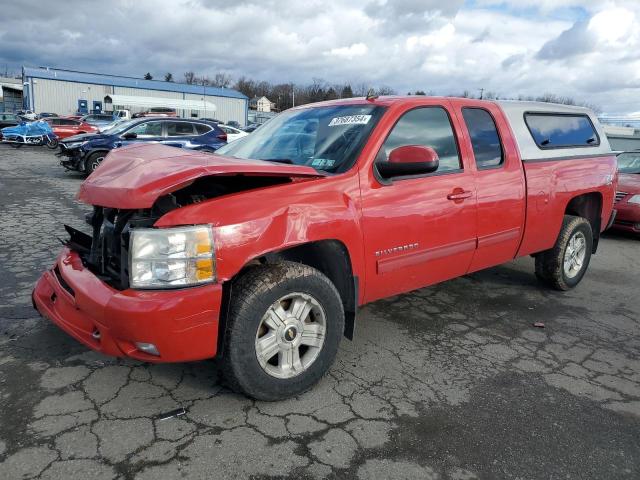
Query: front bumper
<point x="71" y="158"/>
<point x="628" y="217"/>
<point x="182" y="324"/>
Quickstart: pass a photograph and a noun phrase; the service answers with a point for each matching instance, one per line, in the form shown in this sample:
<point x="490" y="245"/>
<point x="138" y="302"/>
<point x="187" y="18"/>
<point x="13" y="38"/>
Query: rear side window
<point x="179" y="129"/>
<point x="485" y="140"/>
<point x="202" y="128"/>
<point x="561" y="131"/>
<point x="427" y="126"/>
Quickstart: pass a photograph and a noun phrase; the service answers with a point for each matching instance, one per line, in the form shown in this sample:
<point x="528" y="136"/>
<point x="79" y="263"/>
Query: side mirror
<point x="409" y="160"/>
<point x="130" y="135"/>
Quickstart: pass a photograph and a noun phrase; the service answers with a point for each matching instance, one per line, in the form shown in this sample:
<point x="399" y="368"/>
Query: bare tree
<point x="221" y="80"/>
<point x="189" y="77"/>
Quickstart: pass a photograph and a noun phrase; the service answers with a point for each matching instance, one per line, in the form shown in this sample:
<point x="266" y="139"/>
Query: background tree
<point x="189" y="77"/>
<point x="168" y="77"/>
<point x="221" y="80"/>
<point x="148" y="76"/>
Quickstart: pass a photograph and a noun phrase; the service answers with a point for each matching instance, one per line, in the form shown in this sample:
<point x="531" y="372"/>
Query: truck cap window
<point x="557" y="130"/>
<point x="325" y="138"/>
<point x="428" y="126"/>
<point x="484" y="137"/>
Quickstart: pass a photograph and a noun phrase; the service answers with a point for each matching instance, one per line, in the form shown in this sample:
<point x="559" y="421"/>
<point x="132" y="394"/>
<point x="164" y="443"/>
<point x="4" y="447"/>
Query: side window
<point x="148" y="129"/>
<point x="428" y="126"/>
<point x="484" y="137"/>
<point x="179" y="129"/>
<point x="561" y="130"/>
<point x="202" y="128"/>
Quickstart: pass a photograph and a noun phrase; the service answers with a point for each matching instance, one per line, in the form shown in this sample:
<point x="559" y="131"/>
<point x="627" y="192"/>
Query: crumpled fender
<point x="250" y="224"/>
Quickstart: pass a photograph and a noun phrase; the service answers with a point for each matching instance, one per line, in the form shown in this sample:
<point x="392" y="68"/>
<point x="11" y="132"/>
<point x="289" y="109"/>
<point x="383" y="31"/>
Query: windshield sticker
<point x="350" y="120"/>
<point x="323" y="163"/>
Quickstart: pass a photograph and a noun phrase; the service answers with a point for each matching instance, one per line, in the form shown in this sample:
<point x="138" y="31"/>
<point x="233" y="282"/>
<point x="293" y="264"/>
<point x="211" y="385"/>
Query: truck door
<point x="418" y="230"/>
<point x="500" y="184"/>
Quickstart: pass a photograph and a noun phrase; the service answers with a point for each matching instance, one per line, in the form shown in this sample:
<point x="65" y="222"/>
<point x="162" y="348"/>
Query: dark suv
<point x="85" y="152"/>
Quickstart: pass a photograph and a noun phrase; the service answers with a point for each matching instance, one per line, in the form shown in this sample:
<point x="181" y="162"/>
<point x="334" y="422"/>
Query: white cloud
<point x="354" y="50"/>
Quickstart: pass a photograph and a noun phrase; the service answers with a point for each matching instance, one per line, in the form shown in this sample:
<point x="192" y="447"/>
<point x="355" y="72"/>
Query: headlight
<point x="74" y="144"/>
<point x="171" y="257"/>
<point x="635" y="199"/>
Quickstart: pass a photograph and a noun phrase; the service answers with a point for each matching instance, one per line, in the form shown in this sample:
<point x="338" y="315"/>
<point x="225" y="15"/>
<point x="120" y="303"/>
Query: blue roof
<point x="116" y="81"/>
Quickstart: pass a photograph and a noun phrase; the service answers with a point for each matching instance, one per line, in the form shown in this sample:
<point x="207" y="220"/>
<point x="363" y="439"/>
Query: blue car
<point x="85" y="152"/>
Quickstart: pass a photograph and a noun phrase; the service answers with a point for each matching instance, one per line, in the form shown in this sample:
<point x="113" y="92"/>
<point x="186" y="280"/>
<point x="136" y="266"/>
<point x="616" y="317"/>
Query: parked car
<point x="628" y="194"/>
<point x="232" y="133"/>
<point x="68" y="127"/>
<point x="100" y="120"/>
<point x="157" y="112"/>
<point x="251" y="127"/>
<point x="85" y="152"/>
<point x="262" y="252"/>
<point x="44" y="115"/>
<point x="234" y="124"/>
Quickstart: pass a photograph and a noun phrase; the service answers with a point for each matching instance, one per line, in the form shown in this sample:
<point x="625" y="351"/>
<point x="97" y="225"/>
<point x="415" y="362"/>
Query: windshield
<point x="325" y="138"/>
<point x="119" y="127"/>
<point x="629" y="162"/>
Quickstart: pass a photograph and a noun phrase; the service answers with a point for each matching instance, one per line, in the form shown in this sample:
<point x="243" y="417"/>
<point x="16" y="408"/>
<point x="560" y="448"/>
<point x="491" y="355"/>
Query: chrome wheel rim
<point x="96" y="162"/>
<point x="575" y="254"/>
<point x="290" y="335"/>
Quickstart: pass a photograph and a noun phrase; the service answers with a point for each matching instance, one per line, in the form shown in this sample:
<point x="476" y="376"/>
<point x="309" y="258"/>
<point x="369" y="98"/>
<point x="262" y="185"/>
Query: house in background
<point x="261" y="104"/>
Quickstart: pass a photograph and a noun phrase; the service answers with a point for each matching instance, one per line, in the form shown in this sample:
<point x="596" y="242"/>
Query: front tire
<point x="284" y="327"/>
<point x="92" y="162"/>
<point x="563" y="266"/>
<point x="52" y="143"/>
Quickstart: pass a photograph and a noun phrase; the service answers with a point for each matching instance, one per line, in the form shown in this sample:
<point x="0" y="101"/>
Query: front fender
<point x="251" y="224"/>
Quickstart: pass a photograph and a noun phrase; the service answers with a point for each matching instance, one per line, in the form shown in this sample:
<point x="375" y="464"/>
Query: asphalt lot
<point x="449" y="382"/>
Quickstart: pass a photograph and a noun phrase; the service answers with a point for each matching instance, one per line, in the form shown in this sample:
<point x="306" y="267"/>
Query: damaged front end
<point x="106" y="251"/>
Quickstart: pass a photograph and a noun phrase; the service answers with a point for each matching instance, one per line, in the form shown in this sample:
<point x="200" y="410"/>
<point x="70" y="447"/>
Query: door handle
<point x="459" y="195"/>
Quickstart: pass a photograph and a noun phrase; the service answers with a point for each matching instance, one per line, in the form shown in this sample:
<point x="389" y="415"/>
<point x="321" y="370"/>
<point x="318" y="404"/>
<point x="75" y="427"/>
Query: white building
<point x="262" y="104"/>
<point x="66" y="92"/>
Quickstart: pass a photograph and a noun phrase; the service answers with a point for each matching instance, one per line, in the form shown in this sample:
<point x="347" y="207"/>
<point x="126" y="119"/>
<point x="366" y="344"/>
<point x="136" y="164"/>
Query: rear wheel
<point x="92" y="162"/>
<point x="563" y="266"/>
<point x="284" y="327"/>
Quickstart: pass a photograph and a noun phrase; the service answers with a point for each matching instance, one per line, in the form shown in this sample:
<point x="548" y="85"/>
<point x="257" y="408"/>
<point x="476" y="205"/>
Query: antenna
<point x="371" y="94"/>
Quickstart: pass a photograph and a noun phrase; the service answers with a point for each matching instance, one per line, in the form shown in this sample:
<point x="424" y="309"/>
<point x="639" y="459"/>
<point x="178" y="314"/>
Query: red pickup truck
<point x="261" y="253"/>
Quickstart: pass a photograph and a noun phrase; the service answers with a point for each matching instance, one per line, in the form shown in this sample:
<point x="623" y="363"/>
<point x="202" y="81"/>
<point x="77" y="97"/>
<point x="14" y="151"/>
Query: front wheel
<point x="563" y="266"/>
<point x="283" y="331"/>
<point x="92" y="162"/>
<point x="52" y="143"/>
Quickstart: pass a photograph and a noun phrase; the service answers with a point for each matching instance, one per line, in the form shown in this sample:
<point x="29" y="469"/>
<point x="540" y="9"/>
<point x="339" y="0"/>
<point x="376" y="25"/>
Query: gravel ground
<point x="447" y="382"/>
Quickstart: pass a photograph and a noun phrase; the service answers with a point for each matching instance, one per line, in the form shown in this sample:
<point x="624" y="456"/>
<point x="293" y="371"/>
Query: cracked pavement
<point x="447" y="382"/>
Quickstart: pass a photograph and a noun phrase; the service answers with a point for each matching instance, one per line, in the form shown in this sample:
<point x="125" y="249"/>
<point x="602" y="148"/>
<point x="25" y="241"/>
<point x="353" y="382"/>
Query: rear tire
<point x="563" y="266"/>
<point x="276" y="311"/>
<point x="92" y="162"/>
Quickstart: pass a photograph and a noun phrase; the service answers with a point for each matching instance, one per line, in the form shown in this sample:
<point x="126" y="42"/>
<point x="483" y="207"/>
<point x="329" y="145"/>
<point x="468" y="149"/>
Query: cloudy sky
<point x="586" y="49"/>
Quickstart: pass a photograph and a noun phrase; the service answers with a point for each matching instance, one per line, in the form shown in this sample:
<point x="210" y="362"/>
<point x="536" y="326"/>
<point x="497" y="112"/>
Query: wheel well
<point x="589" y="206"/>
<point x="331" y="257"/>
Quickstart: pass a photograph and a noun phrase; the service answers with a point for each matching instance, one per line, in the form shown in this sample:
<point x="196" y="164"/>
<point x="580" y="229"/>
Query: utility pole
<point x="481" y="93"/>
<point x="293" y="95"/>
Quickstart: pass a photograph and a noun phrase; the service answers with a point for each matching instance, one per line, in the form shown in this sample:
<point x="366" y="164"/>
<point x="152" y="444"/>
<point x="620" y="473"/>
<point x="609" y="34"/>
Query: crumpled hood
<point x="629" y="182"/>
<point x="135" y="176"/>
<point x="81" y="137"/>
